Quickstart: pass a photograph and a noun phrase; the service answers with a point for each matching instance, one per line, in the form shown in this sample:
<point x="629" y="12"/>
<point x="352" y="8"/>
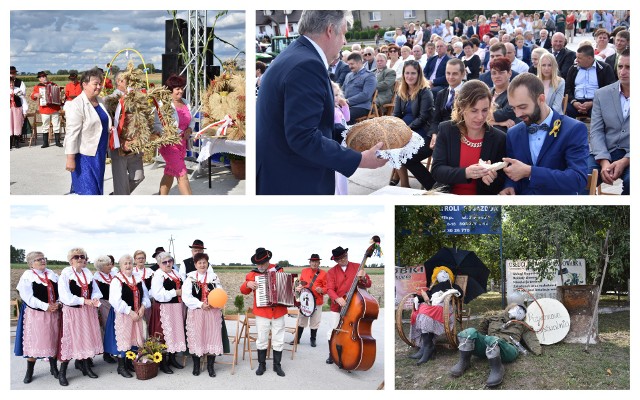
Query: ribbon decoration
<point x="222" y="125"/>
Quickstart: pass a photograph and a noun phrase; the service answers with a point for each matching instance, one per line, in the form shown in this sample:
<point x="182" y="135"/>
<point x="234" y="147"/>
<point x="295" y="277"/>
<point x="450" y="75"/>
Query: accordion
<point x="275" y="288"/>
<point x="50" y="95"/>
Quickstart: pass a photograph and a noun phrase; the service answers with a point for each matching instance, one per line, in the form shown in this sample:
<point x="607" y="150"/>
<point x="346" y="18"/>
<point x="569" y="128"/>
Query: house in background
<point x="387" y="18"/>
<point x="272" y="22"/>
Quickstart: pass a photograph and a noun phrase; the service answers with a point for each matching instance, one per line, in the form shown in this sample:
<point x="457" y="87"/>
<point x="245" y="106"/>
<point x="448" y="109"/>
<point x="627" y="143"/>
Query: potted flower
<point x="237" y="165"/>
<point x="146" y="360"/>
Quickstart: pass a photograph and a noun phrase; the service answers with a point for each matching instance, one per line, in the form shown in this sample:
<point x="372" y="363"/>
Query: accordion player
<point x="275" y="288"/>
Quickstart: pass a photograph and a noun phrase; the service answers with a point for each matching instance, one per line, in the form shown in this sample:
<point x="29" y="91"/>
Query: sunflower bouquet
<point x="151" y="351"/>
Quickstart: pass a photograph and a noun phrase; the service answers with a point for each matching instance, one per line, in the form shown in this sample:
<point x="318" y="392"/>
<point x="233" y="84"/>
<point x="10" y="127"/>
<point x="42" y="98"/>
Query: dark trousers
<point x="626" y="175"/>
<point x="573" y="113"/>
<point x="418" y="169"/>
<point x="357" y="112"/>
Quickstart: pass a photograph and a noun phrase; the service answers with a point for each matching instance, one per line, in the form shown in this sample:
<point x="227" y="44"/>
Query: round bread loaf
<point x="392" y="131"/>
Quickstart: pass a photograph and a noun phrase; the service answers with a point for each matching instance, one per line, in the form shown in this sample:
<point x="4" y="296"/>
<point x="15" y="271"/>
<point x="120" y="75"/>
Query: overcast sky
<point x="54" y="40"/>
<point x="230" y="233"/>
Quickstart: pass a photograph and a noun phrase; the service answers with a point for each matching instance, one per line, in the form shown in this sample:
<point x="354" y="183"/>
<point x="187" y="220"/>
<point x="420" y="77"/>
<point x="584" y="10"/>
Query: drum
<point x="307" y="302"/>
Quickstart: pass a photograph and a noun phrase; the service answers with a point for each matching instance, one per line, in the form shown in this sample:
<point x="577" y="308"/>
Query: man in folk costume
<point x="314" y="279"/>
<point x="339" y="281"/>
<point x="49" y="112"/>
<point x="188" y="264"/>
<point x="269" y="318"/>
<point x="159" y="250"/>
<point x="498" y="338"/>
<point x="73" y="88"/>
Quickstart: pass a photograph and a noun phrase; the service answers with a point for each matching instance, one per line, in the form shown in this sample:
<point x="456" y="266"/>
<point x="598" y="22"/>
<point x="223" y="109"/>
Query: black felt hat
<point x="262" y="255"/>
<point x="158" y="251"/>
<point x="338" y="252"/>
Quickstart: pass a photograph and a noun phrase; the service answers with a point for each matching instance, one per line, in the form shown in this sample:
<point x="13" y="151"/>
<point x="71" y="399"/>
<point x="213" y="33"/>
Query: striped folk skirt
<point x="41" y="333"/>
<point x="128" y="332"/>
<point x="80" y="333"/>
<point x="204" y="331"/>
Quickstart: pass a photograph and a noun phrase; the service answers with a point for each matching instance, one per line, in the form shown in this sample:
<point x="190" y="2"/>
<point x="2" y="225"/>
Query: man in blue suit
<point x="547" y="152"/>
<point x="338" y="71"/>
<point x="295" y="152"/>
<point x="435" y="69"/>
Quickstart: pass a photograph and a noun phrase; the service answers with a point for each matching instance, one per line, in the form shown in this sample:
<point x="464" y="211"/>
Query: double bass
<point x="352" y="347"/>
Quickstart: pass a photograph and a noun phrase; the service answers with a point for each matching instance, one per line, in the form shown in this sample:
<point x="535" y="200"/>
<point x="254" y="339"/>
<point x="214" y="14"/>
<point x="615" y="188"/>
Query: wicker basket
<point x="145" y="371"/>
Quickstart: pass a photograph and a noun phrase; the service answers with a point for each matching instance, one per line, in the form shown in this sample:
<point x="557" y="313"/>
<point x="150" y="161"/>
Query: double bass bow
<point x="352" y="346"/>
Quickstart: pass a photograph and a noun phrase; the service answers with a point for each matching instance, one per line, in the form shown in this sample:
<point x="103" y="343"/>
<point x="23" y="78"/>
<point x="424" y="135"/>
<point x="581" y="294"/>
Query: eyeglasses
<point x="368" y="54"/>
<point x="393" y="51"/>
<point x="79" y="257"/>
<point x="165" y="262"/>
<point x="41" y="259"/>
<point x="384" y="51"/>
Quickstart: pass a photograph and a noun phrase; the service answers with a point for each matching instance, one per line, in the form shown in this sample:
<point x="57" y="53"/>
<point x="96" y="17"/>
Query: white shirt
<point x="519" y="66"/>
<point x="67" y="275"/>
<point x="193" y="278"/>
<point x="115" y="293"/>
<point x="158" y="292"/>
<point x="320" y="51"/>
<point x="25" y="287"/>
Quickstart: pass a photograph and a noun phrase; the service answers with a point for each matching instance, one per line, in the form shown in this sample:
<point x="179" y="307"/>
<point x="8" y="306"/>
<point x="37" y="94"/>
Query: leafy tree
<point x="17" y="255"/>
<point x="283" y="264"/>
<point x="62" y="72"/>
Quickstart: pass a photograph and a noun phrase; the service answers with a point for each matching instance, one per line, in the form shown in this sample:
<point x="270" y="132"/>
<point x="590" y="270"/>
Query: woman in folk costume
<point x="146" y="274"/>
<point x="80" y="295"/>
<point x="427" y="322"/>
<point x="37" y="333"/>
<point x="103" y="277"/>
<point x="167" y="316"/>
<point x="205" y="324"/>
<point x="129" y="298"/>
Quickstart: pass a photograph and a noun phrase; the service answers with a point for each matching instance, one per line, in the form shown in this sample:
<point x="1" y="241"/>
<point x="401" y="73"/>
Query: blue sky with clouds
<point x="230" y="233"/>
<point x="53" y="40"/>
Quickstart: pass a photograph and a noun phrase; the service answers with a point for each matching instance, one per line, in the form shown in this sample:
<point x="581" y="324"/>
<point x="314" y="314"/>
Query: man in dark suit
<point x="338" y="71"/>
<point x="295" y="152"/>
<point x="434" y="71"/>
<point x="583" y="79"/>
<point x="455" y="74"/>
<point x="564" y="57"/>
<point x="544" y="40"/>
<point x="472" y="29"/>
<point x="621" y="42"/>
<point x="610" y="128"/>
<point x="496" y="50"/>
<point x="188" y="265"/>
<point x="458" y="27"/>
<point x="547" y="152"/>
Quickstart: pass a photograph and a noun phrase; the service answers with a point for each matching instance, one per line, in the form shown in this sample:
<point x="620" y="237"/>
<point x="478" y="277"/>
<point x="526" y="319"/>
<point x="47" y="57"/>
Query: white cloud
<point x="115" y="29"/>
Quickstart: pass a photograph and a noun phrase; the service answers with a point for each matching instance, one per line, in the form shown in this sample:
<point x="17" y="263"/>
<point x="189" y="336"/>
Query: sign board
<point x="556" y="320"/>
<point x="471" y="220"/>
<point x="408" y="279"/>
<point x="519" y="276"/>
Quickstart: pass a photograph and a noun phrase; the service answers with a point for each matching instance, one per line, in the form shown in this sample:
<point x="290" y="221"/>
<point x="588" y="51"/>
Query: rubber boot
<point x="106" y="356"/>
<point x="466" y="348"/>
<point x="329" y="360"/>
<point x="300" y="330"/>
<point x="313" y="337"/>
<point x="90" y="361"/>
<point x="277" y="357"/>
<point x="262" y="362"/>
<point x="28" y="377"/>
<point x="45" y="140"/>
<point x="53" y="367"/>
<point x="87" y="368"/>
<point x="428" y="346"/>
<point x="77" y="364"/>
<point x="57" y="136"/>
<point x="211" y="359"/>
<point x="174" y="362"/>
<point x="164" y="364"/>
<point x="62" y="375"/>
<point x="129" y="365"/>
<point x="122" y="369"/>
<point x="417" y="355"/>
<point x="196" y="365"/>
<point x="495" y="362"/>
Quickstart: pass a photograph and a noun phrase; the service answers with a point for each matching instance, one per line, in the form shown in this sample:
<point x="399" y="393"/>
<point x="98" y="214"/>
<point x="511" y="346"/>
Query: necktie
<point x="555" y="54"/>
<point x="452" y="93"/>
<point x="533" y="128"/>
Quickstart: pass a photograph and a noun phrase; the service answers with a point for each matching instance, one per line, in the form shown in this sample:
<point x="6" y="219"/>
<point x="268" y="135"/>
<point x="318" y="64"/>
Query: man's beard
<point x="534" y="117"/>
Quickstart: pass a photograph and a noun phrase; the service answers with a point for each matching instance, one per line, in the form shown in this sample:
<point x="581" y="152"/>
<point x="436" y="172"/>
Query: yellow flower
<point x="556" y="128"/>
<point x="157" y="357"/>
<point x="131" y="355"/>
<point x="164" y="346"/>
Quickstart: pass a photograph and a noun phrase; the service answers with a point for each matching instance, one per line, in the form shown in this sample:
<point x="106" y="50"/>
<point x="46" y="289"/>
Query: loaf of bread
<point x="392" y="131"/>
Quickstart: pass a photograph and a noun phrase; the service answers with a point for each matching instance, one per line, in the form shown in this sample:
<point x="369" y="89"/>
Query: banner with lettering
<point x="471" y="220"/>
<point x="408" y="280"/>
<point x="519" y="276"/>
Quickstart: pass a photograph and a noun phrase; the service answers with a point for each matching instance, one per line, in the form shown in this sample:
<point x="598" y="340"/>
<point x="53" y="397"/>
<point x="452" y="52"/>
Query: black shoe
<point x="174" y="363"/>
<point x="77" y="364"/>
<point x="394" y="182"/>
<point x="329" y="360"/>
<point x="313" y="337"/>
<point x="88" y="370"/>
<point x="29" y="375"/>
<point x="196" y="365"/>
<point x="164" y="364"/>
<point x="44" y="146"/>
<point x="211" y="359"/>
<point x="62" y="375"/>
<point x="89" y="361"/>
<point x="129" y="365"/>
<point x="277" y="357"/>
<point x="122" y="369"/>
<point x="107" y="358"/>
<point x="53" y="367"/>
<point x="262" y="362"/>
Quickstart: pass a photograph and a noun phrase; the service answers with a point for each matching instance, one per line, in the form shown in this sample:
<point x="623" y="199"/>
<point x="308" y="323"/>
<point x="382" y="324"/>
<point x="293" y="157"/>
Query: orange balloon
<point x="217" y="298"/>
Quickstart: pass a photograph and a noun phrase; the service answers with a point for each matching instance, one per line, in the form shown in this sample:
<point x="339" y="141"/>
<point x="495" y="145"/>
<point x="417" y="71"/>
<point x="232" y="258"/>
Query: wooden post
<point x="604" y="272"/>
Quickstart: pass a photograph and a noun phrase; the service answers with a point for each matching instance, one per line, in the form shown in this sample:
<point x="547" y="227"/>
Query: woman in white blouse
<point x="37" y="333"/>
<point x="204" y="323"/>
<point x="129" y="298"/>
<point x="139" y="262"/>
<point x="167" y="318"/>
<point x="80" y="296"/>
<point x="395" y="62"/>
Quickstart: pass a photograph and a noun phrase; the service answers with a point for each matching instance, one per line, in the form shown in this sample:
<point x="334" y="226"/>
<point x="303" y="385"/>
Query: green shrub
<point x="239" y="303"/>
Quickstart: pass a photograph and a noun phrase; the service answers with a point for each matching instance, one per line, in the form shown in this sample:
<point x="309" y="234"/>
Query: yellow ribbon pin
<point x="556" y="128"/>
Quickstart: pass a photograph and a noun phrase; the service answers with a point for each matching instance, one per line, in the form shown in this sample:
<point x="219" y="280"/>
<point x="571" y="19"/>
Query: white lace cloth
<point x="397" y="157"/>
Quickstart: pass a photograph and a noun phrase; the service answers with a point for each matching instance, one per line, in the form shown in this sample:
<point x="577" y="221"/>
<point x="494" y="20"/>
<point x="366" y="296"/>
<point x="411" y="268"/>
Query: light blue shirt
<point x="624" y="104"/>
<point x="586" y="83"/>
<point x="537" y="139"/>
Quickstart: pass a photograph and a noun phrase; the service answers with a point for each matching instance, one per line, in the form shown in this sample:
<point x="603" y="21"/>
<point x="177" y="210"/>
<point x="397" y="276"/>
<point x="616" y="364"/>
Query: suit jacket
<point x="440" y="79"/>
<point x="547" y="43"/>
<point x="445" y="164"/>
<point x="555" y="97"/>
<point x="472" y="31"/>
<point x="385" y="85"/>
<point x="526" y="55"/>
<point x="358" y="88"/>
<point x="604" y="74"/>
<point x="473" y="64"/>
<point x="609" y="128"/>
<point x="565" y="60"/>
<point x="440" y="112"/>
<point x="295" y="152"/>
<point x="421" y="109"/>
<point x="561" y="167"/>
<point x="611" y="61"/>
<point x="459" y="28"/>
<point x="342" y="69"/>
<point x="83" y="129"/>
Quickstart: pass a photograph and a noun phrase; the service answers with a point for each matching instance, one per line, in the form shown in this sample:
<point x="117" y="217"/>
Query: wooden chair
<point x="373" y="112"/>
<point x="293" y="312"/>
<point x="34" y="127"/>
<point x="233" y="340"/>
<point x="592" y="182"/>
<point x="387" y="109"/>
<point x="565" y="101"/>
<point x="248" y="335"/>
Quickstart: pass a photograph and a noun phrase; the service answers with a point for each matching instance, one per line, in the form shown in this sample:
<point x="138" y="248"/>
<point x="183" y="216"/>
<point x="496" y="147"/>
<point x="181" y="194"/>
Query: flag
<point x="286" y="26"/>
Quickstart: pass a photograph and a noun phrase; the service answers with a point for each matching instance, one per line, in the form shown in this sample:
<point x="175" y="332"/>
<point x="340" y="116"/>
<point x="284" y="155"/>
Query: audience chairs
<point x="293" y="312"/>
<point x="373" y="112"/>
<point x="234" y="340"/>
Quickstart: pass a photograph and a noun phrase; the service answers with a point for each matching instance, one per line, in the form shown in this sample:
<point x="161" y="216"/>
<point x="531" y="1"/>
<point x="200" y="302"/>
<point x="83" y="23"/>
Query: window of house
<point x="409" y="14"/>
<point x="375" y="16"/>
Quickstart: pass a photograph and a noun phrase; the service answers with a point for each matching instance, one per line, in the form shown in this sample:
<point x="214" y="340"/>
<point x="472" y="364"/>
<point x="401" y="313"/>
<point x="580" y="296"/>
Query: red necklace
<point x="177" y="281"/>
<point x="83" y="285"/>
<point x="107" y="279"/>
<point x="51" y="294"/>
<point x="204" y="289"/>
<point x="134" y="289"/>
